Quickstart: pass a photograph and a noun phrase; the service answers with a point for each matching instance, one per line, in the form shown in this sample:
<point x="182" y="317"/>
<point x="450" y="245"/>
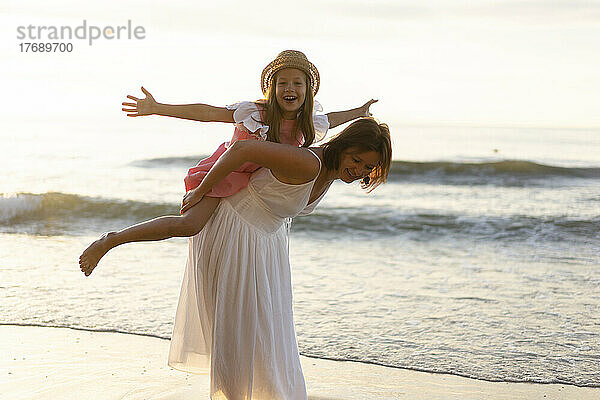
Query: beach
<point x="485" y="268"/>
<point x="64" y="363"/>
<point x="472" y="273"/>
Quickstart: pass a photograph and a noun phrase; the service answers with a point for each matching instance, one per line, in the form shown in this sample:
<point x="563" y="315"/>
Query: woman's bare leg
<point x="159" y="228"/>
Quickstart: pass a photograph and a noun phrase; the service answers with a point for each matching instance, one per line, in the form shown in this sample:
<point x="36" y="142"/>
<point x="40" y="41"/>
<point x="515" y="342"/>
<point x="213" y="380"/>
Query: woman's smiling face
<point x="290" y="91"/>
<point x="356" y="164"/>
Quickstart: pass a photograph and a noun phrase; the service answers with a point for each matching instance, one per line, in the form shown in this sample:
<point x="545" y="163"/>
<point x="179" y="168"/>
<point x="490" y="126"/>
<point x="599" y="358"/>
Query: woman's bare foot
<point x="88" y="260"/>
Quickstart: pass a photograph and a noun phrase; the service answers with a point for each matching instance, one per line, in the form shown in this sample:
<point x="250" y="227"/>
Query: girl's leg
<point x="159" y="228"/>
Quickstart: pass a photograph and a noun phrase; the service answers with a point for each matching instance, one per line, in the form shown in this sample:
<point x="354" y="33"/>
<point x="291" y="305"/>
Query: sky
<point x="445" y="62"/>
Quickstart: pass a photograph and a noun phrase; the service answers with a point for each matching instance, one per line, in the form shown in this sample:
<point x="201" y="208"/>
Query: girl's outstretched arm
<point x="289" y="164"/>
<point x="341" y="117"/>
<point x="196" y="112"/>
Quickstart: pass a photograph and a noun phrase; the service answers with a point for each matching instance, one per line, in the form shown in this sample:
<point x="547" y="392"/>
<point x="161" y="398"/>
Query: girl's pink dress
<point x="248" y="126"/>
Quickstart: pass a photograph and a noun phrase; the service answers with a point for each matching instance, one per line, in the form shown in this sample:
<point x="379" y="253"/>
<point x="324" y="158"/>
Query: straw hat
<point x="290" y="59"/>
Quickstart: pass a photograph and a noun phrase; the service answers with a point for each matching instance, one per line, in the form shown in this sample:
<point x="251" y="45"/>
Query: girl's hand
<point x="190" y="199"/>
<point x="364" y="109"/>
<point x="145" y="106"/>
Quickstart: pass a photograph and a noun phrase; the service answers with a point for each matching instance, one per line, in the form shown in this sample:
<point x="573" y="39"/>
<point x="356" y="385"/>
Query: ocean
<point x="480" y="257"/>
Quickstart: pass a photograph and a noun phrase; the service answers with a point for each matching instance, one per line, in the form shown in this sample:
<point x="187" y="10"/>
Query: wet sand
<point x="63" y="363"/>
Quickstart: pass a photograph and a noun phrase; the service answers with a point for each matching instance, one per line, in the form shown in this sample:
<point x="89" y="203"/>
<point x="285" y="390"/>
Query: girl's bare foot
<point x="88" y="260"/>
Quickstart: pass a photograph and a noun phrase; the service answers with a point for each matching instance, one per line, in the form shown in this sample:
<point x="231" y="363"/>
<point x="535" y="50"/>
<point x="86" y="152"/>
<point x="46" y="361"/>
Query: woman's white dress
<point x="234" y="318"/>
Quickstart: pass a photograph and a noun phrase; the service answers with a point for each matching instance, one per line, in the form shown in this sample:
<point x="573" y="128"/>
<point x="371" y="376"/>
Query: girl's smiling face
<point x="290" y="91"/>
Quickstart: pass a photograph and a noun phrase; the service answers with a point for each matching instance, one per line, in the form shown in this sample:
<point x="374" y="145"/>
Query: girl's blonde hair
<point x="273" y="114"/>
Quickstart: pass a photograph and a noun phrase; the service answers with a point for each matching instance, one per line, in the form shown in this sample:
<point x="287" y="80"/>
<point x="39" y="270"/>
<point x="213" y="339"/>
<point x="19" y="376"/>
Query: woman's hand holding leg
<point x="190" y="199"/>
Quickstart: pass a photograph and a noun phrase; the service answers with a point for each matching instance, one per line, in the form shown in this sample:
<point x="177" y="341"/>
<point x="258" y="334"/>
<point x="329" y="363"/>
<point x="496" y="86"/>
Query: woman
<point x="234" y="317"/>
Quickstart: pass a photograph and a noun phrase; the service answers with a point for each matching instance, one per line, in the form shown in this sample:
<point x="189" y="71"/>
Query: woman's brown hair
<point x="364" y="134"/>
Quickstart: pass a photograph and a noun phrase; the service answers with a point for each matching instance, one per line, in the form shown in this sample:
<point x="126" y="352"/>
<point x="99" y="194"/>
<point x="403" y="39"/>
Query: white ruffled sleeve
<point x="320" y="121"/>
<point x="246" y="115"/>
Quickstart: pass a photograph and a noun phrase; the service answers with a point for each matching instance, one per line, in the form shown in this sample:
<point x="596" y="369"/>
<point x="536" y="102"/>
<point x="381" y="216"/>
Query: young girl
<point x="287" y="115"/>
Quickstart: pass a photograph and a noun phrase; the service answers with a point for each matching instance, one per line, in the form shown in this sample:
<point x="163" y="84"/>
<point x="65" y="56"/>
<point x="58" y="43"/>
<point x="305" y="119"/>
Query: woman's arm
<point x="288" y="164"/>
<point x="196" y="112"/>
<point x="341" y="117"/>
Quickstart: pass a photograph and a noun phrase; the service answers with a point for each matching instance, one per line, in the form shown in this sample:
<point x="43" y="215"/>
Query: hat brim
<point x="282" y="63"/>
